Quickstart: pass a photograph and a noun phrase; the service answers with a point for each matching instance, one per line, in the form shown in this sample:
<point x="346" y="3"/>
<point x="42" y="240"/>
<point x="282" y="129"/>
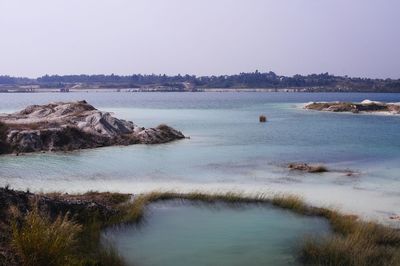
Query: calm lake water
<point x="178" y="235"/>
<point x="228" y="149"/>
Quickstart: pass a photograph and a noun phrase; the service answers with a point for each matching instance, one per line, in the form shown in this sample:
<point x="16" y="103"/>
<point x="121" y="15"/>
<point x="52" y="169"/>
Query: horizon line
<point x="198" y="76"/>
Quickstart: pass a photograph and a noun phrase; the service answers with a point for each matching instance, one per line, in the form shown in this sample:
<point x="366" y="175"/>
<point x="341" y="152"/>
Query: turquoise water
<point x="228" y="149"/>
<point x="178" y="235"/>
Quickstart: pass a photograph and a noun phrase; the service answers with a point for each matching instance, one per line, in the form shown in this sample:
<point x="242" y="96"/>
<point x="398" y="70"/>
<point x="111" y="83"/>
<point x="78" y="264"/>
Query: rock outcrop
<point x="304" y="167"/>
<point x="72" y="126"/>
<point x="366" y="106"/>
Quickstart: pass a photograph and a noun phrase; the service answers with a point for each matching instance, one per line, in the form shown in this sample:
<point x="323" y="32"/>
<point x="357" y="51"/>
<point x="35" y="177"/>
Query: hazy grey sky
<point x="202" y="37"/>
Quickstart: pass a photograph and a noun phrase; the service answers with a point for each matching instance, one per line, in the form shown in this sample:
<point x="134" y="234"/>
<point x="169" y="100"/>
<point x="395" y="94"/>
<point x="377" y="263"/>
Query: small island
<point x="365" y="106"/>
<point x="65" y="126"/>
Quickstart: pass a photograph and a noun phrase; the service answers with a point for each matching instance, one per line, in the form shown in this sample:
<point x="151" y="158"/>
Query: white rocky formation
<point x="76" y="125"/>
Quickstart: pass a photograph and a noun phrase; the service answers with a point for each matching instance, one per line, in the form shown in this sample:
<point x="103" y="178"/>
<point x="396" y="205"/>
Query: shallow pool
<point x="186" y="234"/>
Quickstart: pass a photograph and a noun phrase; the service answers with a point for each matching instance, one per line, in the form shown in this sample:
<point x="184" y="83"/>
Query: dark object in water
<point x="263" y="119"/>
<point x="307" y="168"/>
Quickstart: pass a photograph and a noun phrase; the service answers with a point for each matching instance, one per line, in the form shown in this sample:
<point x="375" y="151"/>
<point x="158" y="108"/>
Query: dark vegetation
<point x="4" y="148"/>
<point x="304" y="167"/>
<point x="70" y="232"/>
<point x="311" y="83"/>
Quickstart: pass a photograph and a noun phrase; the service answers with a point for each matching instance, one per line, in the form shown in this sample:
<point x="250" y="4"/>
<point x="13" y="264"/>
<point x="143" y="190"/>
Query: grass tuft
<point x="351" y="250"/>
<point x="291" y="202"/>
<point x="354" y="243"/>
<point x="39" y="241"/>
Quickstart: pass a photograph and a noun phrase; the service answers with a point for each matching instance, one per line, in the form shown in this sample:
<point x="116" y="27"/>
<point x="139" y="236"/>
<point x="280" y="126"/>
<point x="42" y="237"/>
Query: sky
<point x="359" y="38"/>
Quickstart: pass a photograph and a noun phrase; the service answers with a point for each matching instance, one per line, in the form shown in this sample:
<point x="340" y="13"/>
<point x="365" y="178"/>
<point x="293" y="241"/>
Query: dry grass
<point x="38" y="241"/>
<point x="291" y="202"/>
<point x="355" y="243"/>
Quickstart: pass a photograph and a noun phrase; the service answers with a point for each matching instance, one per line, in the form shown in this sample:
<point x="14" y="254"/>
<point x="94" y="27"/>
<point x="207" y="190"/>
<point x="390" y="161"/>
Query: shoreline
<point x="347" y="230"/>
<point x="216" y="90"/>
<point x="380" y="210"/>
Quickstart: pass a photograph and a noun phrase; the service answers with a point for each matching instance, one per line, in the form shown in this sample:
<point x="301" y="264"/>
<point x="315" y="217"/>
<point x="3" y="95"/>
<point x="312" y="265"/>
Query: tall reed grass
<point x="38" y="241"/>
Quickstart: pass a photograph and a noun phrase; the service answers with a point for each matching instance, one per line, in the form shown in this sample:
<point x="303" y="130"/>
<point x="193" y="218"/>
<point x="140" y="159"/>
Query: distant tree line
<point x="313" y="82"/>
<point x="7" y="80"/>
